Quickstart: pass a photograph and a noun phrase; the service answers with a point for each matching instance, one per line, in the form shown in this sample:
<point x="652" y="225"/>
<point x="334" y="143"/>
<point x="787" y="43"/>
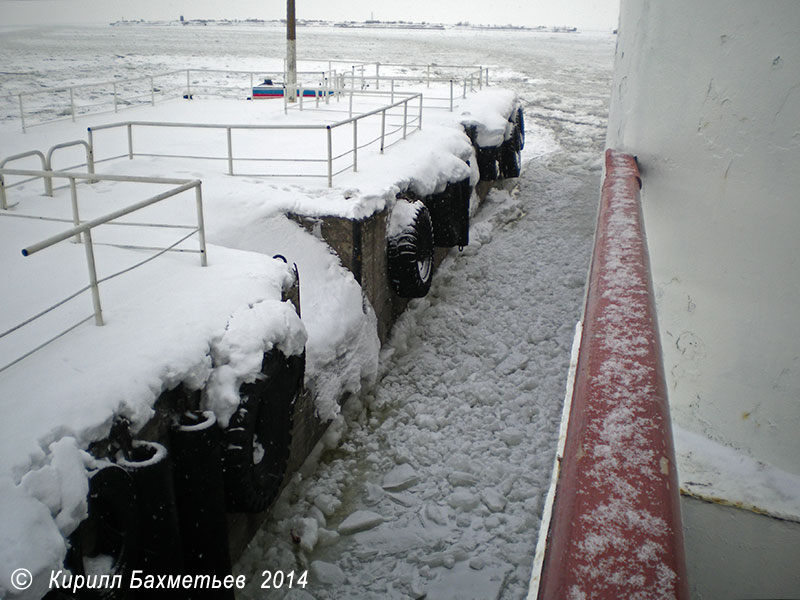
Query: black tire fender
<point x="257" y="442"/>
<point x="410" y="249"/>
<point x="150" y="466"/>
<point x="510" y="160"/>
<point x="107" y="541"/>
<point x="519" y="128"/>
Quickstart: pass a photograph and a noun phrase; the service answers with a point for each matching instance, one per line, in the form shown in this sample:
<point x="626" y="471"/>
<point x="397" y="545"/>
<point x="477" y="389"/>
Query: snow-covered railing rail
<point x="84" y="230"/>
<point x="612" y="525"/>
<point x="3" y="194"/>
<point x="457" y="84"/>
<point x="69" y="102"/>
<point x="47" y="165"/>
<point x="400" y="131"/>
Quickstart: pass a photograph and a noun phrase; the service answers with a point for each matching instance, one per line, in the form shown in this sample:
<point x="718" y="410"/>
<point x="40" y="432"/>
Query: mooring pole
<point x="291" y="52"/>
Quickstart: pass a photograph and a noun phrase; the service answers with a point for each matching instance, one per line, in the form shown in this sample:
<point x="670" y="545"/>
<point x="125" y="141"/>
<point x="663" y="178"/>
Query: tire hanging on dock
<point x="257" y="442"/>
<point x="107" y="541"/>
<point x="195" y="441"/>
<point x="510" y="160"/>
<point x="159" y="534"/>
<point x="410" y="250"/>
<point x="519" y="128"/>
<point x="449" y="211"/>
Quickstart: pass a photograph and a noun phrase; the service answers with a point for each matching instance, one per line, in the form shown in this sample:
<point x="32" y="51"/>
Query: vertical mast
<point x="291" y="52"/>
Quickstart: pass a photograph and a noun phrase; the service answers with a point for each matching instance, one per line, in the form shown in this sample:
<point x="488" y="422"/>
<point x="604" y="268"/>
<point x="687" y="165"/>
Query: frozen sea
<point x="432" y="482"/>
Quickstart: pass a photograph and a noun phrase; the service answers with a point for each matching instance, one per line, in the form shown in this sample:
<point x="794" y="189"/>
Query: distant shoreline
<point x="401" y="25"/>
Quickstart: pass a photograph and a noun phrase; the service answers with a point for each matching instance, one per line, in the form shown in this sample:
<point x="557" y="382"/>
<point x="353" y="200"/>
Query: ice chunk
<point x="435" y="514"/>
<point x="359" y="521"/>
<point x="327" y="504"/>
<point x="374" y="493"/>
<point x="400" y="478"/>
<point x="461" y="478"/>
<point x="327" y="573"/>
<point x="463" y="500"/>
<point x="326" y="537"/>
<point x="493" y="499"/>
<point x="464" y="583"/>
<point x="403" y="499"/>
<point x="309" y="533"/>
<point x="512" y="436"/>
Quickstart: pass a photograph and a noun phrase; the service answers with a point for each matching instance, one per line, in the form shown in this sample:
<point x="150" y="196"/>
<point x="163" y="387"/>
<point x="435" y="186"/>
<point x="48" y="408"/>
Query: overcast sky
<point x="583" y="14"/>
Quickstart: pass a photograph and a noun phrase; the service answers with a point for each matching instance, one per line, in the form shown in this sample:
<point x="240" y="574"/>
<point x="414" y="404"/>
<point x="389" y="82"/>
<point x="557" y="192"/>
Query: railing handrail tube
<point x="88" y="225"/>
<point x="618" y="433"/>
<point x="89" y="158"/>
<point x="97" y="84"/>
<point x="47" y="189"/>
<point x="207" y="125"/>
<point x="99" y="177"/>
<point x="376" y="111"/>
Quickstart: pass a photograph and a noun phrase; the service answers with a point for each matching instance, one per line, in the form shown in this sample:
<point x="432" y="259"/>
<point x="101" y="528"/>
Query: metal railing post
<point x="3" y="200"/>
<point x="115" y="97"/>
<point x="98" y="311"/>
<point x="465" y="89"/>
<point x="429" y="76"/>
<point x="351" y="103"/>
<point x="72" y="103"/>
<point x="451" y="95"/>
<point x="130" y="141"/>
<point x="152" y="92"/>
<point x="48" y="182"/>
<point x="405" y="118"/>
<point x="486" y="70"/>
<point x="230" y="152"/>
<point x="21" y="114"/>
<point x="330" y="157"/>
<point x="76" y="219"/>
<point x="300" y="93"/>
<point x="480" y="78"/>
<point x="383" y="128"/>
<point x="90" y="154"/>
<point x="201" y="228"/>
<point x="355" y="146"/>
<point x="419" y="125"/>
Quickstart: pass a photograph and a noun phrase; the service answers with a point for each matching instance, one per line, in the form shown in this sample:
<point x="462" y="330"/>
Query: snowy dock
<point x="191" y="333"/>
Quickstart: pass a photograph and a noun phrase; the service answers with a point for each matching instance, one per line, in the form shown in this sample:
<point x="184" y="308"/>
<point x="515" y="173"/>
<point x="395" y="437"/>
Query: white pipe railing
<point x="3" y="197"/>
<point x="469" y="81"/>
<point x="131" y="92"/>
<point x="85" y="229"/>
<point x="46" y="166"/>
<point x="122" y="95"/>
<point x="414" y="122"/>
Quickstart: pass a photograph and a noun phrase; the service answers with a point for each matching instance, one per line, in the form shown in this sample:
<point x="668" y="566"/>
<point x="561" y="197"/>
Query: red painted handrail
<point x="615" y="530"/>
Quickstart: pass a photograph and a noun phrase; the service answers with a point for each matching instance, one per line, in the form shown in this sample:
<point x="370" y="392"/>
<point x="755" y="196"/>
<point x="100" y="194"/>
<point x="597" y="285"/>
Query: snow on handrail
<point x="8" y="159"/>
<point x="85" y="229"/>
<point x="408" y="121"/>
<point x="116" y="98"/>
<point x="615" y="530"/>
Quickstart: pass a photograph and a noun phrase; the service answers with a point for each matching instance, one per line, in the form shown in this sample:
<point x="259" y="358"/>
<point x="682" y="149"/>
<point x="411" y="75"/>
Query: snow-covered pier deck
<point x="194" y="335"/>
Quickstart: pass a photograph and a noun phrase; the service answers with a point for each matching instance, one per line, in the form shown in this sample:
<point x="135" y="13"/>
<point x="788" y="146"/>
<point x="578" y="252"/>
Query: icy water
<point x="433" y="482"/>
